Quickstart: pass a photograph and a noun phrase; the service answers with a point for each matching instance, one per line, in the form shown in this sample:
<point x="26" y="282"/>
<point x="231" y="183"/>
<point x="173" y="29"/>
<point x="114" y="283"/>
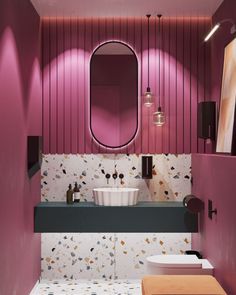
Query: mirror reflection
<point x="113" y="94"/>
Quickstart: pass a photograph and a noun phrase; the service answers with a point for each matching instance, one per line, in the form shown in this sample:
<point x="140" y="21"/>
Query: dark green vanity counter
<point x="88" y="217"/>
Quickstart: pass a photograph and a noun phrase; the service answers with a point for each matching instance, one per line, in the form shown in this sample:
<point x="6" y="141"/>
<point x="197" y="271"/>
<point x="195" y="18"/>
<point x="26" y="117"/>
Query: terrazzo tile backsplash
<point x="110" y="255"/>
<point x="105" y="255"/>
<point x="171" y="175"/>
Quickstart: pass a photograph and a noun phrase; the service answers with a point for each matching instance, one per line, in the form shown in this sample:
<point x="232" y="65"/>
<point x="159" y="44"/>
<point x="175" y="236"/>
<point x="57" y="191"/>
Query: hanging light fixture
<point x="148" y="96"/>
<point x="159" y="117"/>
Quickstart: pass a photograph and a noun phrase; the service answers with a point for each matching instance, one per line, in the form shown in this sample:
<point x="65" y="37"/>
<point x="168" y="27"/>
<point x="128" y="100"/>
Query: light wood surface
<point x="181" y="284"/>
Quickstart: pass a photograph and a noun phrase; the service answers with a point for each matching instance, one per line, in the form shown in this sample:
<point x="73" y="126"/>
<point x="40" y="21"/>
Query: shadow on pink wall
<point x="20" y="115"/>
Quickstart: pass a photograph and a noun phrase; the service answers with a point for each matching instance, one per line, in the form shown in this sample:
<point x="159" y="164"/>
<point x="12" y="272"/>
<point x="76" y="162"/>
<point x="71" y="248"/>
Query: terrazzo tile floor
<point x="88" y="287"/>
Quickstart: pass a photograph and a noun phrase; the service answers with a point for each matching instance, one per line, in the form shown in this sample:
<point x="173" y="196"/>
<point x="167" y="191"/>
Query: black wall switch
<point x="206" y="120"/>
<point x="147" y="167"/>
<point x="34" y="146"/>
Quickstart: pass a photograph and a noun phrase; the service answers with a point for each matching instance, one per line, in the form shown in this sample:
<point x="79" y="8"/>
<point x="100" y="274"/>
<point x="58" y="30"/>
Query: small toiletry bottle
<point x="76" y="193"/>
<point x="69" y="195"/>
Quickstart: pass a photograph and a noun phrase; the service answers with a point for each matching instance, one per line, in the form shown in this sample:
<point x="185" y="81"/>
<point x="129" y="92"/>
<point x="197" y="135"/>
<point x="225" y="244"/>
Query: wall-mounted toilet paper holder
<point x="211" y="211"/>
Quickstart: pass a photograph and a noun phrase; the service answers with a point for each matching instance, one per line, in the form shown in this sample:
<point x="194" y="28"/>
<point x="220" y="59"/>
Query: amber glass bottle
<point x="69" y="195"/>
<point x="76" y="193"/>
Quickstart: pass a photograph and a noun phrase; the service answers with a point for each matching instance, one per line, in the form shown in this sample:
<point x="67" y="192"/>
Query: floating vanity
<point x="88" y="217"/>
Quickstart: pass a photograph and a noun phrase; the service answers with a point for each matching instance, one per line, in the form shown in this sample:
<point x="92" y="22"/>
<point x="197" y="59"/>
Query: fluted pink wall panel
<point x="185" y="69"/>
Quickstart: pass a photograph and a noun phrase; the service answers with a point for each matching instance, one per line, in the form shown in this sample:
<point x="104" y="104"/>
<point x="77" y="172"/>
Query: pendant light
<point x="159" y="117"/>
<point x="148" y="96"/>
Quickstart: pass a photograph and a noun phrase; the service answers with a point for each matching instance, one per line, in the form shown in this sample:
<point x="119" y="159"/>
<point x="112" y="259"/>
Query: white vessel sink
<point x="109" y="196"/>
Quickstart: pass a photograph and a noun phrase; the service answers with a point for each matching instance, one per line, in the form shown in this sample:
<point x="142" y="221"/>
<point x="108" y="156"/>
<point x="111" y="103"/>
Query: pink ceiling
<point x="125" y="8"/>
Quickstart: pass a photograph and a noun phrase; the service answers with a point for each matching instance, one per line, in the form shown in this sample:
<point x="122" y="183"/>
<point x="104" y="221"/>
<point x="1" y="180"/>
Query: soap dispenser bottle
<point x="69" y="195"/>
<point x="76" y="193"/>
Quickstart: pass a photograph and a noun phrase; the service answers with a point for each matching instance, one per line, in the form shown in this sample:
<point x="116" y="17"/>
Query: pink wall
<point x="214" y="178"/>
<point x="20" y="115"/>
<point x="67" y="46"/>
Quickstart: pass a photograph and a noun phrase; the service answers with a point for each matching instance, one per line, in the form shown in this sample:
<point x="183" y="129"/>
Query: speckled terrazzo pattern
<point x="132" y="249"/>
<point x="110" y="256"/>
<point x="77" y="256"/>
<point x="105" y="256"/>
<point x="98" y="287"/>
<point x="171" y="175"/>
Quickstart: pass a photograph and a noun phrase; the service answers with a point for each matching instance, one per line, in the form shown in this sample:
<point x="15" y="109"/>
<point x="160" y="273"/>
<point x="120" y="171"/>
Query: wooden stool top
<point x="181" y="284"/>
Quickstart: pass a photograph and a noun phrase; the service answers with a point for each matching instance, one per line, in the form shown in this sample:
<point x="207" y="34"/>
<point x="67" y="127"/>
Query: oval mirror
<point x="113" y="94"/>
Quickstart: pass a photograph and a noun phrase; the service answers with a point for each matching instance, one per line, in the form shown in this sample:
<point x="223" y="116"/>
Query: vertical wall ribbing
<point x="67" y="46"/>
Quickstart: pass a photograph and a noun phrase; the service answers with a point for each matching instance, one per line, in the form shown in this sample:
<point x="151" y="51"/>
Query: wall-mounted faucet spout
<point x="114" y="175"/>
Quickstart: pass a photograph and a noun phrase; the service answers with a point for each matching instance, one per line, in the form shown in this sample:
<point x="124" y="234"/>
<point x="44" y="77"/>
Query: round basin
<point x="107" y="196"/>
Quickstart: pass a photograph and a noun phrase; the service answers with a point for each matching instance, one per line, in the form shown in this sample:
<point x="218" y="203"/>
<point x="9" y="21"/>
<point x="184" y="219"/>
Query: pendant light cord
<point x="159" y="33"/>
<point x="148" y="17"/>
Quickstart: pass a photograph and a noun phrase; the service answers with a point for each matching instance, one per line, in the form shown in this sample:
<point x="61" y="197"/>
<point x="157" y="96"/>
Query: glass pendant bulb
<point x="159" y="117"/>
<point x="148" y="97"/>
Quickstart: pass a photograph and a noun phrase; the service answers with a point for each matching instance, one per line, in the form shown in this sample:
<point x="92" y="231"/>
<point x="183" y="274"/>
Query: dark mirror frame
<point x="137" y="96"/>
